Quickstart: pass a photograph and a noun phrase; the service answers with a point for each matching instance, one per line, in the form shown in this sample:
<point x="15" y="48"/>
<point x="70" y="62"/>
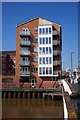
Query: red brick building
<point x="38" y="52"/>
<point x="7" y="67"/>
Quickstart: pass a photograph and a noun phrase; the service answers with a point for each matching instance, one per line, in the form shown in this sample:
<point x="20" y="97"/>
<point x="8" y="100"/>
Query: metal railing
<point x="24" y="63"/>
<point x="24" y="52"/>
<point x="23" y="43"/>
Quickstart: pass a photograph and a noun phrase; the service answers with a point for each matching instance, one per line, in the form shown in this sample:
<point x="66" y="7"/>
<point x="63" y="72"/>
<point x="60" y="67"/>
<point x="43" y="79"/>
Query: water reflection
<point x="32" y="108"/>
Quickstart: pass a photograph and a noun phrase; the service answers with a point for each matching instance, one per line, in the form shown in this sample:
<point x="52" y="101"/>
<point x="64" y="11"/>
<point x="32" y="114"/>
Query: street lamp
<point x="71" y="65"/>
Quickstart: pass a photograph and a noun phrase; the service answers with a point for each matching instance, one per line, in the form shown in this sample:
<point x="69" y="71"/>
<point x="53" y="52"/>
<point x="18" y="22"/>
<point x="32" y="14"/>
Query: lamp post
<point x="71" y="65"/>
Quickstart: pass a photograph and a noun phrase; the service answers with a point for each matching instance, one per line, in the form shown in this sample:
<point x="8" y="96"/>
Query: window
<point x="47" y="40"/>
<point x="35" y="59"/>
<point x="46" y="70"/>
<point x="40" y="50"/>
<point x="50" y="60"/>
<point x="46" y="60"/>
<point x="33" y="82"/>
<point x="24" y="68"/>
<point x="50" y="50"/>
<point x="46" y="30"/>
<point x="35" y="69"/>
<point x="40" y="40"/>
<point x="35" y="39"/>
<point x="35" y="49"/>
<point x="43" y="40"/>
<point x="25" y="49"/>
<point x="25" y="39"/>
<point x="43" y="70"/>
<point x="50" y="70"/>
<point x="46" y="50"/>
<point x="40" y="30"/>
<point x="43" y="30"/>
<point x="40" y="60"/>
<point x="40" y="70"/>
<point x="25" y="58"/>
<point x="35" y="30"/>
<point x="43" y="60"/>
<point x="49" y="30"/>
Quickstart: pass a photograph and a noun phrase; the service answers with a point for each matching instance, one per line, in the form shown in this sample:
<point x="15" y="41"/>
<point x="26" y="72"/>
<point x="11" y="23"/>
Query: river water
<point x="31" y="108"/>
<point x="76" y="102"/>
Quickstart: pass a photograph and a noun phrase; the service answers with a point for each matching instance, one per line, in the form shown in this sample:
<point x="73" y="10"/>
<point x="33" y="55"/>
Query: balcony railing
<point x="55" y="52"/>
<point x="24" y="33"/>
<point x="57" y="62"/>
<point x="55" y="72"/>
<point x="55" y="32"/>
<point x="24" y="63"/>
<point x="24" y="73"/>
<point x="56" y="42"/>
<point x="25" y="43"/>
<point x="24" y="53"/>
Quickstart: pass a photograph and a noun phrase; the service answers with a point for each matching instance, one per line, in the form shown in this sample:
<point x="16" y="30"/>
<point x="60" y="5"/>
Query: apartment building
<point x="7" y="67"/>
<point x="38" y="52"/>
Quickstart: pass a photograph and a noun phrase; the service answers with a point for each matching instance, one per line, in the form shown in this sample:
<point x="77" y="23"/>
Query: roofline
<point x="35" y="19"/>
<point x="7" y="52"/>
<point x="28" y="21"/>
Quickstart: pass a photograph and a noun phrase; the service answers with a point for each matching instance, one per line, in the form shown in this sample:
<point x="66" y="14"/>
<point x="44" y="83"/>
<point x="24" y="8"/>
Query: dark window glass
<point x="49" y="30"/>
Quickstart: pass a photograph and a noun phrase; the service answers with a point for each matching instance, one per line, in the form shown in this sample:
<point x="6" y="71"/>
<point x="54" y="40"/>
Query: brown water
<point x="31" y="108"/>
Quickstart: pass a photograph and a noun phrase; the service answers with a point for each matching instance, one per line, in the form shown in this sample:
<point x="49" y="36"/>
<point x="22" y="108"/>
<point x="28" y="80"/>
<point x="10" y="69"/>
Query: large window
<point x="45" y="70"/>
<point x="25" y="58"/>
<point x="35" y="69"/>
<point x="25" y="48"/>
<point x="43" y="60"/>
<point x="46" y="40"/>
<point x="40" y="30"/>
<point x="35" y="49"/>
<point x="35" y="59"/>
<point x="50" y="60"/>
<point x="45" y="31"/>
<point x="35" y="39"/>
<point x="50" y="50"/>
<point x="43" y="50"/>
<point x="24" y="68"/>
<point x="35" y="30"/>
<point x="49" y="40"/>
<point x="49" y="30"/>
<point x="46" y="60"/>
<point x="43" y="40"/>
<point x="46" y="50"/>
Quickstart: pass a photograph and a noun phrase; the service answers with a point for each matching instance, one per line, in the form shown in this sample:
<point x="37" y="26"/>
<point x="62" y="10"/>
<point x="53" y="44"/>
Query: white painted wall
<point x="66" y="87"/>
<point x="65" y="110"/>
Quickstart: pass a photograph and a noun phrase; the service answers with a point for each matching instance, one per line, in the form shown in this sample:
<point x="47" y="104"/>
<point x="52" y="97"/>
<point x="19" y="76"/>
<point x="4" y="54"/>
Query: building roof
<point x="35" y="19"/>
<point x="7" y="52"/>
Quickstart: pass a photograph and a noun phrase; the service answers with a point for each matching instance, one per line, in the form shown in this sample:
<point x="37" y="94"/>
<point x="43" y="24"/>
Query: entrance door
<point x="33" y="82"/>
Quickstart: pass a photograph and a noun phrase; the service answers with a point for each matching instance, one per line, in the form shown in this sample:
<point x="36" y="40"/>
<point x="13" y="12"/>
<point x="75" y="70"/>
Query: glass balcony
<point x="24" y="63"/>
<point x="24" y="53"/>
<point x="24" y="33"/>
<point x="55" y="32"/>
<point x="55" y="72"/>
<point x="56" y="42"/>
<point x="24" y="73"/>
<point x="57" y="62"/>
<point x="25" y="43"/>
<point x="55" y="52"/>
